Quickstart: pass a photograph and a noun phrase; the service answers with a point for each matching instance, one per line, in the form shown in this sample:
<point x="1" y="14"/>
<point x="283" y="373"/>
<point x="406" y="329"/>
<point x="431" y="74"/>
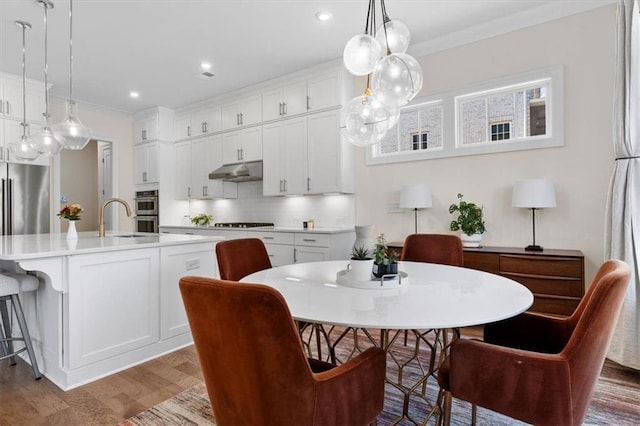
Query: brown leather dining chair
<point x="433" y="248"/>
<point x="535" y="368"/>
<point x="241" y="257"/>
<point x="254" y="365"/>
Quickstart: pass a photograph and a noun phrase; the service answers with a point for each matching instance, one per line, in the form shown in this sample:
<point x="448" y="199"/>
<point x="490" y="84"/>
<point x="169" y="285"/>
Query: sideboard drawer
<point x="482" y="261"/>
<point x="541" y="265"/>
<point x="541" y="284"/>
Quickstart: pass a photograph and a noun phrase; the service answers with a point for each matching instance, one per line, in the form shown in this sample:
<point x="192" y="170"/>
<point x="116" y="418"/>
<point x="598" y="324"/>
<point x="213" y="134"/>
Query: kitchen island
<point x="105" y="304"/>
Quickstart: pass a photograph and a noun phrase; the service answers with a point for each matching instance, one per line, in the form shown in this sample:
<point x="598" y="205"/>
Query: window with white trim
<point x="520" y="112"/>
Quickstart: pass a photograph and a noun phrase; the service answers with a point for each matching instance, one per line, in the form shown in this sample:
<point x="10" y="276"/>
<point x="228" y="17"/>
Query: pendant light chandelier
<point x="45" y="141"/>
<point x="393" y="77"/>
<point x="22" y="148"/>
<point x="72" y="133"/>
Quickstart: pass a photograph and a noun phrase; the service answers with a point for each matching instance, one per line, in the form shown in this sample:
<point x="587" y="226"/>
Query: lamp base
<point x="533" y="248"/>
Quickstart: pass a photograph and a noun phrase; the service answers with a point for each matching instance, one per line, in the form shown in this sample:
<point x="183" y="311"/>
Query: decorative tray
<point x="386" y="282"/>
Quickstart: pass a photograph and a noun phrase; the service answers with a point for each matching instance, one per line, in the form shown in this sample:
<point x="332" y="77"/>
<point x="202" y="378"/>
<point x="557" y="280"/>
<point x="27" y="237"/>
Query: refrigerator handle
<point x="9" y="211"/>
<point x="4" y="205"/>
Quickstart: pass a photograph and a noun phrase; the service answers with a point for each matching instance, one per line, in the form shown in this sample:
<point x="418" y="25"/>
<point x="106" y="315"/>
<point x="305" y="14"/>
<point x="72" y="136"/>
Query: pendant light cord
<point x="385" y="19"/>
<point x="70" y="50"/>
<point x="46" y="63"/>
<point x="24" y="26"/>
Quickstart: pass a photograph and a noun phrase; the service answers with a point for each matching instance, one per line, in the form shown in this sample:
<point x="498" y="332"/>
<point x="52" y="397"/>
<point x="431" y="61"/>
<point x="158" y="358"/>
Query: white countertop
<point x="328" y="230"/>
<point x="34" y="246"/>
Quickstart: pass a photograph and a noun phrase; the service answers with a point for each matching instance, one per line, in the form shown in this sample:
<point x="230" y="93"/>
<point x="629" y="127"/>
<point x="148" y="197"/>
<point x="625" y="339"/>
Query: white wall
<point x="112" y="126"/>
<point x="584" y="44"/>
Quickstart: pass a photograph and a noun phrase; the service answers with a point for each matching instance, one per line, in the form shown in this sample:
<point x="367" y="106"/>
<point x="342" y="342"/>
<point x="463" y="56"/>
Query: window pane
<point x="474" y="121"/>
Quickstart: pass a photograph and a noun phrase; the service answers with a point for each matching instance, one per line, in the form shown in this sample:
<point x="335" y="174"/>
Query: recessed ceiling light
<point x="205" y="66"/>
<point x="323" y="16"/>
<point x="134" y="95"/>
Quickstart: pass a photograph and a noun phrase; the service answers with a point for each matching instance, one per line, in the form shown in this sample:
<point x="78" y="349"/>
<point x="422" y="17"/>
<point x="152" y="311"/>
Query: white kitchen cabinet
<point x="279" y="245"/>
<point x="146" y="163"/>
<point x="194" y="160"/>
<point x="198" y="122"/>
<point x="11" y="98"/>
<point x="153" y="124"/>
<point x="243" y="111"/>
<point x="179" y="261"/>
<point x="326" y="90"/>
<point x="330" y="159"/>
<point x="285" y="157"/>
<point x="113" y="304"/>
<point x="242" y="145"/>
<point x="284" y="101"/>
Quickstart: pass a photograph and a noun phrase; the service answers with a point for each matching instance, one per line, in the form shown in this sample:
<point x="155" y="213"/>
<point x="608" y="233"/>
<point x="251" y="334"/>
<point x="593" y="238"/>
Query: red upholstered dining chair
<point x="255" y="368"/>
<point x="241" y="257"/>
<point x="433" y="248"/>
<point x="539" y="369"/>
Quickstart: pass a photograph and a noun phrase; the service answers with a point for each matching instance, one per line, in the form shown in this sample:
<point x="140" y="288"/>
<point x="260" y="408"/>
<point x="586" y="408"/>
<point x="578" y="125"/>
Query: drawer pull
<point x="541" y="277"/>
<point x="267" y="238"/>
<point x="309" y="240"/>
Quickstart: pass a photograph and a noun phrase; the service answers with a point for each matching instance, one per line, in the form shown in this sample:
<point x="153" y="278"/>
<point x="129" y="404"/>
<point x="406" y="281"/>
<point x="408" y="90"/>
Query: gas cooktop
<point x="241" y="224"/>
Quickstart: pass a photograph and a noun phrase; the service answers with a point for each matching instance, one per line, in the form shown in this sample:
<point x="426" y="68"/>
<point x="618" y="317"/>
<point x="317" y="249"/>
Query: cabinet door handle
<point x="295" y="255"/>
<point x="1" y="106"/>
<point x="237" y="119"/>
<point x="284" y="108"/>
<point x="285" y="185"/>
<point x="242" y="153"/>
<point x="308" y="240"/>
<point x="203" y="126"/>
<point x="189" y="191"/>
<point x="144" y="176"/>
<point x="188" y="130"/>
<point x="8" y="108"/>
<point x="144" y="135"/>
<point x="280" y="185"/>
<point x="308" y="184"/>
<point x="205" y="191"/>
<point x="308" y="103"/>
<point x="241" y="119"/>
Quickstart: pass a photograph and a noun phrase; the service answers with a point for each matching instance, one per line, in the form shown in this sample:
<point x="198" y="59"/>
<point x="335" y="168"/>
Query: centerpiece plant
<point x="385" y="261"/>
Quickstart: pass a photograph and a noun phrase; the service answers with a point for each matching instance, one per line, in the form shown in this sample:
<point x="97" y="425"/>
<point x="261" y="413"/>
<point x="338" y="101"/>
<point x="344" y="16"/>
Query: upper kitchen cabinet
<point x="328" y="89"/>
<point x="146" y="159"/>
<point x="285" y="157"/>
<point x="305" y="155"/>
<point x="153" y="124"/>
<point x="198" y="122"/>
<point x="243" y="111"/>
<point x="194" y="160"/>
<point x="330" y="160"/>
<point x="284" y="101"/>
<point x="242" y="145"/>
<point x="11" y="98"/>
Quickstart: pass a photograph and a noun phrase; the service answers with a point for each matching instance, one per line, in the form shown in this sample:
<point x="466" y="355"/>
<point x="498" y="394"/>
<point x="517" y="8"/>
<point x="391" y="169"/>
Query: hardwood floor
<point x="25" y="401"/>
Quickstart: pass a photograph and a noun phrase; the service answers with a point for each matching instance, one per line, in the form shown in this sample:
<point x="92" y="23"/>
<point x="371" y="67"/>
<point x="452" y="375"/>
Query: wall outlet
<point x="394" y="208"/>
<point x="193" y="264"/>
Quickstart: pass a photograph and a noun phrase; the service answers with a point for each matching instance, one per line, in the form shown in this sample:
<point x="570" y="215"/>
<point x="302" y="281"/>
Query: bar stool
<point x="10" y="285"/>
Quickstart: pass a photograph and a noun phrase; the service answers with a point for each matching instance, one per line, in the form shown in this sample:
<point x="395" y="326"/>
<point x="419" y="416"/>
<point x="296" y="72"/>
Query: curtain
<point x="622" y="230"/>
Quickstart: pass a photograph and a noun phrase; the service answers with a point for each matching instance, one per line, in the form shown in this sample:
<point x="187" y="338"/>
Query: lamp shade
<point x="534" y="193"/>
<point x="415" y="196"/>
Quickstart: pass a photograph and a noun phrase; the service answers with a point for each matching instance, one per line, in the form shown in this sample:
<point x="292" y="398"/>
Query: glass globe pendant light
<point x="366" y="120"/>
<point x="22" y="148"/>
<point x="393" y="33"/>
<point x="72" y="133"/>
<point x="397" y="79"/>
<point x="46" y="141"/>
<point x="363" y="51"/>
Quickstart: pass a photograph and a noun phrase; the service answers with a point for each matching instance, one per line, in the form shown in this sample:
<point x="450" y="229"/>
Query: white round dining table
<point x="430" y="296"/>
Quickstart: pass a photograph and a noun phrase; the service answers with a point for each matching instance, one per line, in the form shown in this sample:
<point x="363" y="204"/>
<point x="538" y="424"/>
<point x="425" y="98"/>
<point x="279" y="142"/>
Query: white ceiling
<point x="155" y="47"/>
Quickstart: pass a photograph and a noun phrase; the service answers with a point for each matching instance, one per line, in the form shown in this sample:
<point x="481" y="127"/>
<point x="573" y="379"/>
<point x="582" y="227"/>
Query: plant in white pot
<point x="470" y="222"/>
<point x="361" y="264"/>
<point x="385" y="260"/>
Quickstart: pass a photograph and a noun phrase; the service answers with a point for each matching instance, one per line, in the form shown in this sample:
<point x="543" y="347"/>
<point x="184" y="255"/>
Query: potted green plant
<point x="202" y="219"/>
<point x="361" y="263"/>
<point x="470" y="222"/>
<point x="385" y="262"/>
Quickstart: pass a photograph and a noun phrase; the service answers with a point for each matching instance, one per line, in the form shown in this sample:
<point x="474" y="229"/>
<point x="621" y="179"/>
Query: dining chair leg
<point x="474" y="413"/>
<point x="446" y="409"/>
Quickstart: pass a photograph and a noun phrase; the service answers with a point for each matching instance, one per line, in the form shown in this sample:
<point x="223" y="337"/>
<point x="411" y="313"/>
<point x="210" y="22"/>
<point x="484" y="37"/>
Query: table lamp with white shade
<point x="534" y="194"/>
<point x="415" y="196"/>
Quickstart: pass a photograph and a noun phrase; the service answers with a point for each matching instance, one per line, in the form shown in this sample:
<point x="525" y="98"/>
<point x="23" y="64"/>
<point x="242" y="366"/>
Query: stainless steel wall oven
<point x="147" y="211"/>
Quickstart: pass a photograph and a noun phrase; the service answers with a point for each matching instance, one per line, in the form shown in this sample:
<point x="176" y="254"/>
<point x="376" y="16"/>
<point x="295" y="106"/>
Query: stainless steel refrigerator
<point x="25" y="199"/>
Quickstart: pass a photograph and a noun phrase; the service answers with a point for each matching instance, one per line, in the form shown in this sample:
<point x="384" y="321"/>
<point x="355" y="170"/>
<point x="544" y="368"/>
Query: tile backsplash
<point x="327" y="210"/>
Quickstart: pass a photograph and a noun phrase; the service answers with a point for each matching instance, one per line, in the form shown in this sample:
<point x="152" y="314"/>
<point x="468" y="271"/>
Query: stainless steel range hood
<point x="241" y="172"/>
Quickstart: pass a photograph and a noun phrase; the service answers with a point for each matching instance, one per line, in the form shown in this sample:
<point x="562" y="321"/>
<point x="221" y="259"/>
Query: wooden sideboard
<point x="555" y="277"/>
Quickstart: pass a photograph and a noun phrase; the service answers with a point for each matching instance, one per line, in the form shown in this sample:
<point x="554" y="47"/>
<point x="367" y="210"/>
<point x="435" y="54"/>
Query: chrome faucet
<point x="101" y="217"/>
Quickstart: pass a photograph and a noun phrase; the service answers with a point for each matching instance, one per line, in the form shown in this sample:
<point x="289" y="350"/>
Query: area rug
<point x="615" y="402"/>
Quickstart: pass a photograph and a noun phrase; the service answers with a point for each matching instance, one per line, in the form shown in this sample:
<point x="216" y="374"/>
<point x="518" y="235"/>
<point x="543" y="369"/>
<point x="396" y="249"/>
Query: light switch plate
<point x="394" y="208"/>
<point x="193" y="264"/>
